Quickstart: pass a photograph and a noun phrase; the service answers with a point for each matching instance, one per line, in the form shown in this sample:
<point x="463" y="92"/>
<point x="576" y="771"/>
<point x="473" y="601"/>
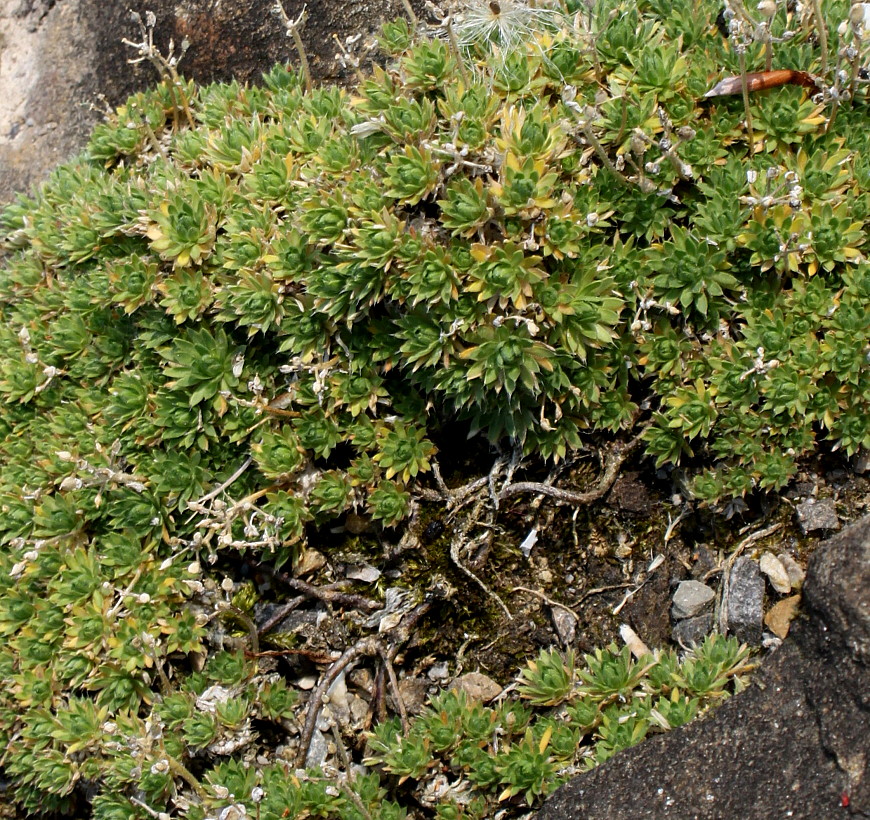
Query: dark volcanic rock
<point x="794" y="744"/>
<point x="692" y="631"/>
<point x="745" y="603"/>
<point x="64" y="62"/>
<point x="813" y="515"/>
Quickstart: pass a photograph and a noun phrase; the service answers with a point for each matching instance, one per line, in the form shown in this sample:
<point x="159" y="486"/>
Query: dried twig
<point x="822" y="34"/>
<point x="599" y="590"/>
<point x="327" y="594"/>
<point x="365" y="647"/>
<point x="280" y="614"/>
<point x="167" y="67"/>
<point x="547" y="600"/>
<point x="311" y="655"/>
<point x="453" y="498"/>
<point x="221" y="487"/>
<point x="394" y="685"/>
<point x="293" y="28"/>
<point x="744" y="89"/>
<point x="613" y="461"/>
<point x="411" y="15"/>
<point x="351" y="794"/>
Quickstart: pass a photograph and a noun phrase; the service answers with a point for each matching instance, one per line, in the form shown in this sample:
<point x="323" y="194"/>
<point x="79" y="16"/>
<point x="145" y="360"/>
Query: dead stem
<point x="744" y="87"/>
<point x="822" y="31"/>
<point x="613" y="461"/>
<point x="394" y="685"/>
<point x="456" y="544"/>
<point x="411" y="15"/>
<point x="547" y="600"/>
<point x="354" y="798"/>
<point x="365" y="647"/>
<point x="342" y="751"/>
<point x="293" y="28"/>
<point x="457" y="53"/>
<point x="177" y="767"/>
<point x="602" y="154"/>
<point x="281" y="613"/>
<point x="221" y="487"/>
<point x="326" y="594"/>
<point x="454" y="498"/>
<point x="599" y="590"/>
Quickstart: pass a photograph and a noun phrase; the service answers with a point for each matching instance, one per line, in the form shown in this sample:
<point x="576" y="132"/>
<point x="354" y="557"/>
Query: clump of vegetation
<point x="469" y="758"/>
<point x="245" y="313"/>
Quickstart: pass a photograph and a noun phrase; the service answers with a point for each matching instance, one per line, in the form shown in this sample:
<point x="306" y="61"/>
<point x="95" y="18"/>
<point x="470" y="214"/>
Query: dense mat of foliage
<point x="546" y="242"/>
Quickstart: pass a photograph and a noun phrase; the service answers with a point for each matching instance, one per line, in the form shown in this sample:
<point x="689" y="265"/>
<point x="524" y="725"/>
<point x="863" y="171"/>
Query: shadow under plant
<point x="244" y="333"/>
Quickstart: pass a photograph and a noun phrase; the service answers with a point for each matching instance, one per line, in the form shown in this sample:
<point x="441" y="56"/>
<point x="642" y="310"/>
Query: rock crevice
<point x="794" y="744"/>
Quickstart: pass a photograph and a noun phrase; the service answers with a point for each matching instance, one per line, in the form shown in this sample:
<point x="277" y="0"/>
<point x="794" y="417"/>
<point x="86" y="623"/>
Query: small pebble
<point x="780" y="615"/>
<point x="317" y="751"/>
<point x="413" y="692"/>
<point x="362" y="572"/>
<point x="565" y="624"/>
<point x="438" y="671"/>
<point x="359" y="709"/>
<point x="795" y="572"/>
<point x="776" y="573"/>
<point x="309" y="561"/>
<point x="814" y="514"/>
<point x="691" y="599"/>
<point x="477" y="686"/>
<point x="692" y="631"/>
<point x="744" y="605"/>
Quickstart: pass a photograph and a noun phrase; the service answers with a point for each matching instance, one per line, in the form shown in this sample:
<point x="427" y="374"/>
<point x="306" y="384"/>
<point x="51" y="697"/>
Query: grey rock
<point x="745" y="601"/>
<point x="318" y="750"/>
<point x="64" y="62"/>
<point x="795" y="572"/>
<point x="791" y="745"/>
<point x="776" y="573"/>
<point x="814" y="515"/>
<point x="705" y="561"/>
<point x="691" y="631"/>
<point x="565" y="624"/>
<point x="837" y="591"/>
<point x="690" y="599"/>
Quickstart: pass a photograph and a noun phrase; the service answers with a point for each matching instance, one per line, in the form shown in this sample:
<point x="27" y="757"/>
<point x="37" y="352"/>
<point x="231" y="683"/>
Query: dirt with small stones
<point x="791" y="745"/>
